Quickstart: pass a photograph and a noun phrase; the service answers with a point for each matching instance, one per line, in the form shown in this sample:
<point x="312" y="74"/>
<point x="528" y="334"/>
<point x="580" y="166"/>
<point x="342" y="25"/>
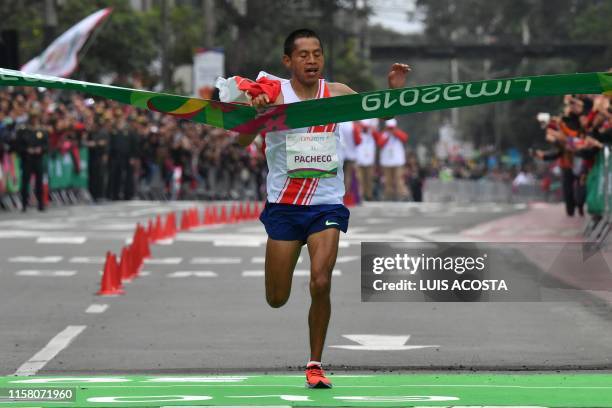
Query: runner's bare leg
<point x="323" y="249"/>
<point x="281" y="258"/>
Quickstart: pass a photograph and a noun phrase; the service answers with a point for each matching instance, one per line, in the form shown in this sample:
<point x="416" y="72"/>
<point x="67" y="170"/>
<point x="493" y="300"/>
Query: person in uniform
<point x="393" y="160"/>
<point x="32" y="142"/>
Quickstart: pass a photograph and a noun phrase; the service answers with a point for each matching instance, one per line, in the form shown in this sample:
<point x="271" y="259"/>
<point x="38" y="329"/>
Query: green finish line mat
<point x="379" y="390"/>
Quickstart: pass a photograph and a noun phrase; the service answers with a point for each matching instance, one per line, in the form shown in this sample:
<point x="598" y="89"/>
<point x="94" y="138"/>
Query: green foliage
<point x="505" y="21"/>
<point x="593" y="24"/>
<point x="123" y="45"/>
<point x="352" y="70"/>
<point x="129" y="41"/>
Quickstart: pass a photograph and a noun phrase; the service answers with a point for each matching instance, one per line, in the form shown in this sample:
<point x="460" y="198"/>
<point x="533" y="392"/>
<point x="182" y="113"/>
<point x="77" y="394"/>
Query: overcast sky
<point x="392" y="14"/>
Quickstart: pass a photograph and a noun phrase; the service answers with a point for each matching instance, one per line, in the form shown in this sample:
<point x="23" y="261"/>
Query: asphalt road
<point x="201" y="307"/>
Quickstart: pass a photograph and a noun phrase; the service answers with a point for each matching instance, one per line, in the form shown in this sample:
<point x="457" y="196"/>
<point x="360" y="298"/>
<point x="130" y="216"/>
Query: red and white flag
<point x="60" y="58"/>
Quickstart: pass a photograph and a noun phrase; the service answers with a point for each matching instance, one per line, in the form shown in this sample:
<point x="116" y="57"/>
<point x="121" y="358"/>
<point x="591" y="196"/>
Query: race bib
<point x="311" y="155"/>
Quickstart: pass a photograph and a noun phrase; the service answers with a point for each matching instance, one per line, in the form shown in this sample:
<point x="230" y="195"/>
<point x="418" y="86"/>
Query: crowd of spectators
<point x="133" y="151"/>
<point x="576" y="135"/>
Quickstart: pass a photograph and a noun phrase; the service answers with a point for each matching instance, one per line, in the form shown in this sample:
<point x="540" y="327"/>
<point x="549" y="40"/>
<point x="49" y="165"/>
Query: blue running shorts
<point x="287" y="222"/>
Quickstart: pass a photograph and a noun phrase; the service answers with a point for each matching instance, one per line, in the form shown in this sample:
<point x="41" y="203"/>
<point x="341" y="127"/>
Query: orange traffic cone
<point x="157" y="229"/>
<point x="234" y="214"/>
<point x="170" y="227"/>
<point x="135" y="261"/>
<point x="214" y="215"/>
<point x="143" y="242"/>
<point x="136" y="245"/>
<point x="184" y="222"/>
<point x="173" y="225"/>
<point x="257" y="209"/>
<point x="242" y="215"/>
<point x="196" y="217"/>
<point x="111" y="282"/>
<point x="149" y="230"/>
<point x="349" y="200"/>
<point x="223" y="218"/>
<point x="125" y="265"/>
<point x="206" y="217"/>
<point x="249" y="211"/>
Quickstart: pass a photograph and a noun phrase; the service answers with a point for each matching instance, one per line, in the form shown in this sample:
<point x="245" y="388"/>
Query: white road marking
<point x="252" y="230"/>
<point x="163" y="261"/>
<point x="284" y="397"/>
<point x="96" y="308"/>
<point x="397" y="398"/>
<point x="61" y="240"/>
<point x="167" y="241"/>
<point x="45" y="273"/>
<point x="150" y="398"/>
<point x="375" y="342"/>
<point x="87" y="259"/>
<point x="215" y="260"/>
<point x="344" y="244"/>
<point x="411" y="231"/>
<point x="262" y="259"/>
<point x="72" y="380"/>
<point x="197" y="274"/>
<point x="297" y="272"/>
<point x="47" y="353"/>
<point x="36" y="259"/>
<point x="375" y="221"/>
<point x="237" y="406"/>
<point x="216" y="237"/>
<point x="115" y="227"/>
<point x="344" y="259"/>
<point x="220" y="379"/>
<point x="240" y="243"/>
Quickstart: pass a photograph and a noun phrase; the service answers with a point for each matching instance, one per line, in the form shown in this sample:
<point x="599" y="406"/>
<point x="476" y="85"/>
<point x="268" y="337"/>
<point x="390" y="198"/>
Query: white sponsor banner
<point x="60" y="58"/>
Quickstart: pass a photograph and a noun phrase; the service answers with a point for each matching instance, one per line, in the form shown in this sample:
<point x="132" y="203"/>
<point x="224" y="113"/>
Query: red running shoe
<point x="315" y="377"/>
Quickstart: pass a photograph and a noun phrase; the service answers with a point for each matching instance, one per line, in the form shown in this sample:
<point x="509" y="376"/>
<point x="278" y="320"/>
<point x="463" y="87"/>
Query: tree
<point x="253" y="39"/>
<point x="514" y="22"/>
<point x="123" y="45"/>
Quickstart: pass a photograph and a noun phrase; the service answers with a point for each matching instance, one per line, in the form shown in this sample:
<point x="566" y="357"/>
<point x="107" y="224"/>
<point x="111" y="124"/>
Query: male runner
<point x="305" y="189"/>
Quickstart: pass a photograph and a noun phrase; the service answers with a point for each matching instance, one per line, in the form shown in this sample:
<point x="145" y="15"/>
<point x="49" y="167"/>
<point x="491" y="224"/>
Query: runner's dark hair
<point x="289" y="46"/>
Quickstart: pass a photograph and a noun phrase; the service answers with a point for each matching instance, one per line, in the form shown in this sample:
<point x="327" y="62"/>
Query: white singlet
<point x="349" y="150"/>
<point x="393" y="153"/>
<point x="366" y="150"/>
<point x="301" y="191"/>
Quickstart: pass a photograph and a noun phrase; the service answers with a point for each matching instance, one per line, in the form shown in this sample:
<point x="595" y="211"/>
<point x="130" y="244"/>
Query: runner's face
<point x="306" y="61"/>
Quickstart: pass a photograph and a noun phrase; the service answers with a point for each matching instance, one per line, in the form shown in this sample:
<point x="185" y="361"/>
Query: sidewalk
<point x="555" y="244"/>
<point x="542" y="222"/>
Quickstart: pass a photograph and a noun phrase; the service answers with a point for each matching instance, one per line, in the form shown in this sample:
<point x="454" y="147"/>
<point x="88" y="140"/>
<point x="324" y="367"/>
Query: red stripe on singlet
<point x="301" y="190"/>
<point x="295" y="184"/>
<point x="303" y="193"/>
<point x="312" y="191"/>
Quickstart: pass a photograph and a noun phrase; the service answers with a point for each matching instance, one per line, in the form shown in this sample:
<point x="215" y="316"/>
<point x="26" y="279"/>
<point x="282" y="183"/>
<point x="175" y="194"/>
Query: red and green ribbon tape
<point x="375" y="104"/>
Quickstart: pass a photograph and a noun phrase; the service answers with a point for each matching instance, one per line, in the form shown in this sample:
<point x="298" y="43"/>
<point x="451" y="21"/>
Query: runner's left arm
<point x="396" y="79"/>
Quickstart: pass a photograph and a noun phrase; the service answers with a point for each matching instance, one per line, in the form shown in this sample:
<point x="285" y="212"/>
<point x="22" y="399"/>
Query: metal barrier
<point x="599" y="193"/>
<point x="477" y="191"/>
